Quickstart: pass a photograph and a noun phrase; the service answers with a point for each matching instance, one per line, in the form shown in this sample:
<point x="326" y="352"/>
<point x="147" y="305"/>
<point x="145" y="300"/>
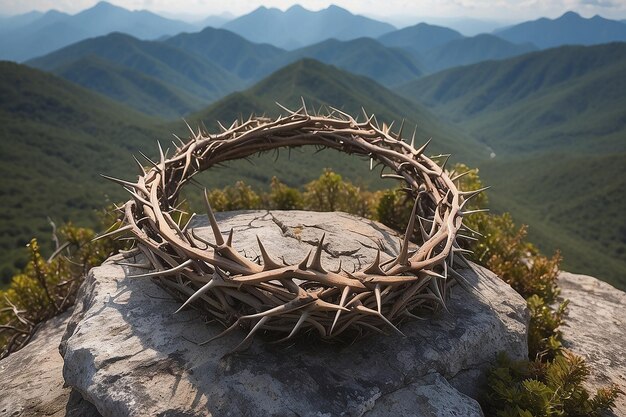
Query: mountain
<point x="56" y="139"/>
<point x="133" y="88"/>
<point x="55" y="30"/>
<point x="215" y="21"/>
<point x="13" y="22"/>
<point x="569" y="29"/>
<point x="297" y="26"/>
<point x="420" y="38"/>
<point x="438" y="47"/>
<point x="229" y="50"/>
<point x="319" y="84"/>
<point x="363" y="56"/>
<point x="556" y="122"/>
<point x="465" y="51"/>
<point x="193" y="76"/>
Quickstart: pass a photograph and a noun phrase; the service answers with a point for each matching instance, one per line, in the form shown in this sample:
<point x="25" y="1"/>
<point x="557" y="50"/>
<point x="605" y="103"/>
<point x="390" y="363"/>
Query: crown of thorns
<point x="286" y="299"/>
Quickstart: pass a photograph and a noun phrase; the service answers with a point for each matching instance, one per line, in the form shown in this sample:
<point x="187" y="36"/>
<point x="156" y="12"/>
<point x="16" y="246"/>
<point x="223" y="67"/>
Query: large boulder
<point x="32" y="378"/>
<point x="127" y="353"/>
<point x="594" y="328"/>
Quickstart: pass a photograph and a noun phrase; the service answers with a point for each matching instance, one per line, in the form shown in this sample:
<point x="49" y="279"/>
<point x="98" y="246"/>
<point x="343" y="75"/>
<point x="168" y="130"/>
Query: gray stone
<point x="127" y="353"/>
<point x="594" y="328"/>
<point x="431" y="395"/>
<point x="32" y="378"/>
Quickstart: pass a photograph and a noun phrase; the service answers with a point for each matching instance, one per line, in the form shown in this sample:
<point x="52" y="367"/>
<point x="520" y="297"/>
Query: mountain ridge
<point x="568" y="29"/>
<point x="304" y="27"/>
<point x="55" y="30"/>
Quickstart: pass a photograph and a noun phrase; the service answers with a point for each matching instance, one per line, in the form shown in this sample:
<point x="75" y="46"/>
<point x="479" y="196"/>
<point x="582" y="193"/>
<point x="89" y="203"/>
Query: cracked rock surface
<point x="594" y="328"/>
<point x="126" y="352"/>
<point x="32" y="379"/>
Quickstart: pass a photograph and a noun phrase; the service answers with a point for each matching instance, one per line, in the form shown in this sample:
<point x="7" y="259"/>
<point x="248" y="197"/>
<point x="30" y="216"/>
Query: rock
<point x="594" y="328"/>
<point x="428" y="396"/>
<point x="32" y="378"/>
<point x="127" y="353"/>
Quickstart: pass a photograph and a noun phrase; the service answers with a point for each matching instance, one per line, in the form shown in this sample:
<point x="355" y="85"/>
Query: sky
<point x="395" y="11"/>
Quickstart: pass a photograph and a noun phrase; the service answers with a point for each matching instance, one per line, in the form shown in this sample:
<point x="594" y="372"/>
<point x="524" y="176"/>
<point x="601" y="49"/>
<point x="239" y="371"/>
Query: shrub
<point x="45" y="288"/>
<point x="537" y="389"/>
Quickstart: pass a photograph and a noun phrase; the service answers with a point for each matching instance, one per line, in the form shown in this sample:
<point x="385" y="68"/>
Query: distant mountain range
<point x="569" y="29"/>
<point x="556" y="121"/>
<point x="184" y="72"/>
<point x="297" y="27"/>
<point x="421" y="38"/>
<point x="35" y="35"/>
<point x="145" y="65"/>
<point x="229" y="50"/>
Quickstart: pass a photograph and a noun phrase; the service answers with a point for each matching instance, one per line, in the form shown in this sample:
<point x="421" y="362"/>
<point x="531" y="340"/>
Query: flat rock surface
<point x="32" y="378"/>
<point x="595" y="328"/>
<point x="127" y="353"/>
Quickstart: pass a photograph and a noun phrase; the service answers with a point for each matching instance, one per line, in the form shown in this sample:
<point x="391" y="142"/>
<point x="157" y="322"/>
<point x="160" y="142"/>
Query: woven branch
<point x="288" y="299"/>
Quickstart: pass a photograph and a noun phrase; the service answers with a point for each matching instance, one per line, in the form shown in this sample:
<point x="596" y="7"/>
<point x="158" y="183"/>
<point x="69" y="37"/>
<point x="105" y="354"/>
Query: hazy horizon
<point x="397" y="12"/>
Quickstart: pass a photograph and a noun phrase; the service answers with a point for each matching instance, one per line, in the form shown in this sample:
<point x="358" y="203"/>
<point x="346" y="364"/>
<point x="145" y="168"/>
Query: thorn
<point x="295" y="329"/>
<point x="164" y="272"/>
<point x="212" y="283"/>
<point x="422" y="148"/>
<point x="302" y="265"/>
<point x="219" y="240"/>
<point x="229" y="241"/>
<point x="256" y="327"/>
<point x="474" y="211"/>
<point x="304" y="106"/>
<point x="338" y="269"/>
<point x="141" y="168"/>
<point x="114" y="232"/>
<point x="374" y="268"/>
<point x="342" y="301"/>
<point x="399" y="136"/>
<point x="366" y="310"/>
<point x="316" y="263"/>
<point x="413" y="139"/>
<point x="378" y="299"/>
<point x="460" y="175"/>
<point x="284" y="108"/>
<point x="445" y="161"/>
<point x="403" y="257"/>
<point x="268" y="263"/>
<point x="193" y="134"/>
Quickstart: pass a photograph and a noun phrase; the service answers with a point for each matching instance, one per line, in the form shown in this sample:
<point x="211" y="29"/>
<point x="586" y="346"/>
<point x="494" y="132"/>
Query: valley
<point x="544" y="122"/>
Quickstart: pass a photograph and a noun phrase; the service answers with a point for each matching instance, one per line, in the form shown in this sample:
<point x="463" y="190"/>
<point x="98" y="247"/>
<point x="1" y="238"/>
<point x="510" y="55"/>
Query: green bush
<point x="538" y="389"/>
<point x="45" y="288"/>
<point x="549" y="384"/>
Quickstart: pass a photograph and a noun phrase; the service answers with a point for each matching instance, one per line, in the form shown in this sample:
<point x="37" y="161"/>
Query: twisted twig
<point x="292" y="298"/>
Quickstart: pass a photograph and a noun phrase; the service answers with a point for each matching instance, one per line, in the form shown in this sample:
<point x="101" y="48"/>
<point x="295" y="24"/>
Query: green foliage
<point x="45" y="288"/>
<point x="503" y="249"/>
<point x="555" y="121"/>
<point x="282" y="197"/>
<point x="330" y="193"/>
<point x="237" y="197"/>
<point x="55" y="140"/>
<point x="393" y="209"/>
<point x="550" y="389"/>
<point x="549" y="385"/>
